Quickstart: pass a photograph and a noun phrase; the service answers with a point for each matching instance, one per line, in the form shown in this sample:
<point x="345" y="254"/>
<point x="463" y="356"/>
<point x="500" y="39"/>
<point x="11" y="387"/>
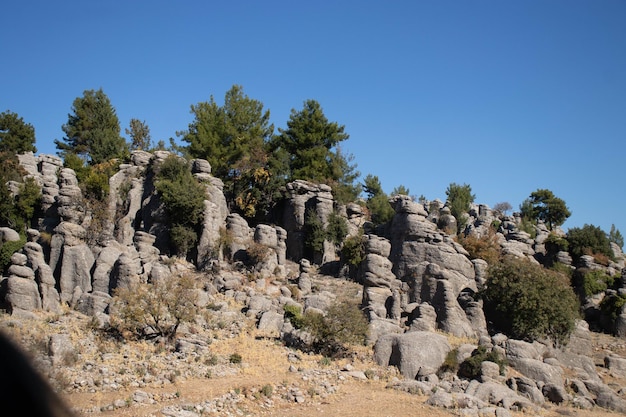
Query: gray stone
<point x="412" y="351"/>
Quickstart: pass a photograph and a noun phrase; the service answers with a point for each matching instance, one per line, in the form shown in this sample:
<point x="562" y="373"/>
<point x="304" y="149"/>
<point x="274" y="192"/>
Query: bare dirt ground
<point x="266" y="364"/>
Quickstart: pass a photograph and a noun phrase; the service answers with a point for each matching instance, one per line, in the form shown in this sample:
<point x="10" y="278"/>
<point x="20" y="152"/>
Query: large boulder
<point x="412" y="352"/>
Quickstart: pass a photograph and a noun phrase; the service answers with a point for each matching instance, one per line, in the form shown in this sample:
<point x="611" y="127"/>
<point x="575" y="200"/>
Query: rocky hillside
<point x="427" y="333"/>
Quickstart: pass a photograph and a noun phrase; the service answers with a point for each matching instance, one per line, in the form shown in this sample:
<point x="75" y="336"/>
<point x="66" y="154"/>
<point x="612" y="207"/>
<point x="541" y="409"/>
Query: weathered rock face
<point x="50" y="300"/>
<point x="433" y="268"/>
<point x="215" y="211"/>
<point x="272" y="238"/>
<point x="381" y="297"/>
<point x="304" y="195"/>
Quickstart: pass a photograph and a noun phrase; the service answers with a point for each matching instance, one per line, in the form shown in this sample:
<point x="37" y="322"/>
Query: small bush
<point x="470" y="367"/>
<point x="353" y="251"/>
<point x="451" y="363"/>
<point x="336" y="229"/>
<point x="294" y="314"/>
<point x="529" y="227"/>
<point x="563" y="269"/>
<point x="314" y="232"/>
<point x="183" y="197"/>
<point x="235" y="358"/>
<point x="595" y="281"/>
<point x="154" y="310"/>
<point x="224" y="243"/>
<point x="7" y="250"/>
<point x="267" y="390"/>
<point x="183" y="238"/>
<point x="611" y="306"/>
<point x="555" y="243"/>
<point x="484" y="247"/>
<point x="344" y="324"/>
<point x="257" y="253"/>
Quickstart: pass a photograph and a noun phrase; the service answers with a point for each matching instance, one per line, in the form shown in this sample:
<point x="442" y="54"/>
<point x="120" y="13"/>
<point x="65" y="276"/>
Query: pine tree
<point x="16" y="136"/>
<point x="93" y="130"/>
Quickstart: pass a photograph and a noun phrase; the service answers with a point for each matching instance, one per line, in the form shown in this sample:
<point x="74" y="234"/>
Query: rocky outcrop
<point x="303" y="196"/>
<point x="433" y="268"/>
<point x="215" y="212"/>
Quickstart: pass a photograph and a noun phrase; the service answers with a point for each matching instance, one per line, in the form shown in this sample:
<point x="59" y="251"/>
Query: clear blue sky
<point x="506" y="96"/>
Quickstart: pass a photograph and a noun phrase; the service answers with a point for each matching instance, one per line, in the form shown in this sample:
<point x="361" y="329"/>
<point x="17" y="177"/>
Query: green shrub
<point x="183" y="198"/>
<point x="611" y="306"/>
<point x="529" y="227"/>
<point x="595" y="282"/>
<point x="7" y="250"/>
<point x="28" y="200"/>
<point x="615" y="236"/>
<point x="555" y="243"/>
<point x="526" y="301"/>
<point x="470" y="367"/>
<point x="459" y="199"/>
<point x="588" y="240"/>
<point x="336" y="229"/>
<point x="344" y="324"/>
<point x="235" y="358"/>
<point x="450" y="363"/>
<point x="353" y="250"/>
<point x="267" y="390"/>
<point x="563" y="269"/>
<point x="183" y="238"/>
<point x="315" y="233"/>
<point x="381" y="212"/>
<point x="293" y="313"/>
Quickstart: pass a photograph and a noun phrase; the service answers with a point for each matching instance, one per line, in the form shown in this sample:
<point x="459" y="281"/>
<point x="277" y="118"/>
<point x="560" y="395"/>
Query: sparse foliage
<point x="151" y="310"/>
<point x="377" y="203"/>
<point x="615" y="236"/>
<point x="460" y="198"/>
<point x="501" y="209"/>
<point x="344" y="324"/>
<point x="139" y="133"/>
<point x="482" y="247"/>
